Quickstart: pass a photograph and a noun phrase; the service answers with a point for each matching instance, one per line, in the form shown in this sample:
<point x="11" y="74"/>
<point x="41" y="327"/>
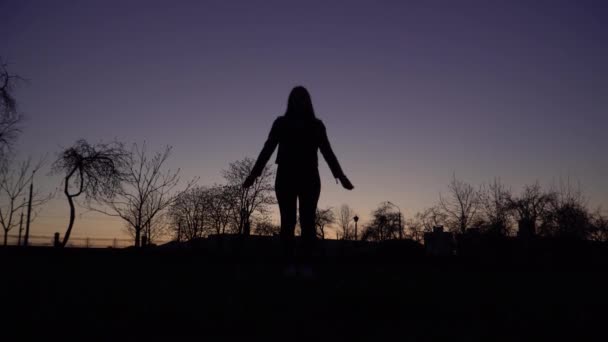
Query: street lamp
<point x="400" y="227"/>
<point x="356" y="218"/>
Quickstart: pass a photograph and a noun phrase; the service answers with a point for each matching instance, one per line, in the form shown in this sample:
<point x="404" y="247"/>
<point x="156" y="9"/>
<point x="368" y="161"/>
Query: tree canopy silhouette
<point x="14" y="181"/>
<point x="146" y="191"/>
<point x="9" y="115"/>
<point x="249" y="200"/>
<point x="95" y="171"/>
<point x="461" y="205"/>
<point x="384" y="225"/>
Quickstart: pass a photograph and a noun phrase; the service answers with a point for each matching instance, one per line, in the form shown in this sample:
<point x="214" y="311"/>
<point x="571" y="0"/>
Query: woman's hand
<point x="248" y="181"/>
<point x="346" y="183"/>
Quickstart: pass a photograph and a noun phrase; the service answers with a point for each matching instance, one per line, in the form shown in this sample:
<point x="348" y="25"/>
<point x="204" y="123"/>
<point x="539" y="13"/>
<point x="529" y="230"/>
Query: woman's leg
<point x="287" y="198"/>
<point x="310" y="190"/>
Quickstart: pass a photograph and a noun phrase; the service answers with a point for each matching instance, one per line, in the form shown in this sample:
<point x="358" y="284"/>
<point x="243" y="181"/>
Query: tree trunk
<point x="66" y="191"/>
<point x="5" y="236"/>
<point x="137" y="236"/>
<point x="66" y="237"/>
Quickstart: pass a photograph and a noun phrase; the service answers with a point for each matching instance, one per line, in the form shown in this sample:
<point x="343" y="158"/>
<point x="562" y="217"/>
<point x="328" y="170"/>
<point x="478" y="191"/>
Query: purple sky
<point x="410" y="91"/>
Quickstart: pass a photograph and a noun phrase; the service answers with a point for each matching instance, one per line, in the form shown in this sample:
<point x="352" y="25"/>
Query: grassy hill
<point x="236" y="289"/>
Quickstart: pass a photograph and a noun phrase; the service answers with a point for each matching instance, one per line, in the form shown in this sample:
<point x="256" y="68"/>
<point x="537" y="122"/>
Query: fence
<point x="76" y="241"/>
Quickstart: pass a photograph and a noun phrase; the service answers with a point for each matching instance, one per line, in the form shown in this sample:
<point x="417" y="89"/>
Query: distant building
<point x="438" y="242"/>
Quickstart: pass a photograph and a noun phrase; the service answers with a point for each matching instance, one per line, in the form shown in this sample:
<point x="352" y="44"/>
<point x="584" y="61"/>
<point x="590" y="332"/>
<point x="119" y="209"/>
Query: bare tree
<point x="385" y="224"/>
<point x="220" y="207"/>
<point x="9" y="115"/>
<point x="495" y="207"/>
<point x="154" y="229"/>
<point x="529" y="207"/>
<point x="461" y="205"/>
<point x="566" y="215"/>
<point x="431" y="217"/>
<point x="189" y="214"/>
<point x="599" y="226"/>
<point x="93" y="170"/>
<point x="345" y="218"/>
<point x="146" y="191"/>
<point x="415" y="229"/>
<point x="323" y="219"/>
<point x="265" y="227"/>
<point x="424" y="221"/>
<point x="157" y="228"/>
<point x="247" y="201"/>
<point x="14" y="183"/>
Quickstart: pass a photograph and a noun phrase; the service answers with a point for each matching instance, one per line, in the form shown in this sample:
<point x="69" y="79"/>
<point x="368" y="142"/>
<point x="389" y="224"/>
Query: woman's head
<point x="299" y="104"/>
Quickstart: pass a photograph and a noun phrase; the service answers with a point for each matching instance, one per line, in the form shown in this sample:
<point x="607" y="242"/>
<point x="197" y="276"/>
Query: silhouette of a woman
<point x="299" y="135"/>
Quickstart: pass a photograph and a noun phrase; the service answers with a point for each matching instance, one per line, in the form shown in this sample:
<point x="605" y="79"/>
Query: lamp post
<point x="400" y="227"/>
<point x="26" y="239"/>
<point x="356" y="218"/>
<point x="20" y="229"/>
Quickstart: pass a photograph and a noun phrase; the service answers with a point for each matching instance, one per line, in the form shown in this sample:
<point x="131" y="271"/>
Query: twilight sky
<point x="410" y="91"/>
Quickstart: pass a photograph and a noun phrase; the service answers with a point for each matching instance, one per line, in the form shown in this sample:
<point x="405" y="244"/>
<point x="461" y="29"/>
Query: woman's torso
<point x="298" y="142"/>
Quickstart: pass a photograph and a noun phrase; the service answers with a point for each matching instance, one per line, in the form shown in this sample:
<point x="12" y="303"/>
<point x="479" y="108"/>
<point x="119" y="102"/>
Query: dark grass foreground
<point x="236" y="290"/>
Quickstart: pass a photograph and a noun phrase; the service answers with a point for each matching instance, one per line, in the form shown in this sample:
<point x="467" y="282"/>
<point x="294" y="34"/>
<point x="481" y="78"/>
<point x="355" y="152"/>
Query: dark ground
<point x="386" y="293"/>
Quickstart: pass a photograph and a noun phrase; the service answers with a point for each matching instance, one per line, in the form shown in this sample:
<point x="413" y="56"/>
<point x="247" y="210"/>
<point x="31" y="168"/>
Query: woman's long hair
<point x="299" y="105"/>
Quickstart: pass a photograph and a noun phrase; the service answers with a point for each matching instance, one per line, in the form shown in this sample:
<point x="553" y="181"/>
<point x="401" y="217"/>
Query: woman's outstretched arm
<point x="332" y="160"/>
<point x="267" y="150"/>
